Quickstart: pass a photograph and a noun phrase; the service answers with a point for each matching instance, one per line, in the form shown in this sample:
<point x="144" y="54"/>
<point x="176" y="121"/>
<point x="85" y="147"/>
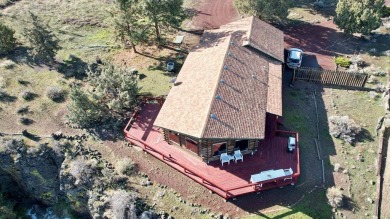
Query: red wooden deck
<point x="229" y="180"/>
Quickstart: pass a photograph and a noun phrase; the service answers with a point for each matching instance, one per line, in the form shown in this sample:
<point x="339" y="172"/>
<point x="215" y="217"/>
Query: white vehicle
<point x="294" y="58"/>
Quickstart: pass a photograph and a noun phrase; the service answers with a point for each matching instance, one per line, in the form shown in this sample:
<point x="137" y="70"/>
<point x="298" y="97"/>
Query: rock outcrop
<point x="33" y="171"/>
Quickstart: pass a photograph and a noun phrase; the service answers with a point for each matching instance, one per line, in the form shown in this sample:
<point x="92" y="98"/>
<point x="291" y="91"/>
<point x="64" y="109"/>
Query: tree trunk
<point x="157" y="30"/>
<point x="133" y="45"/>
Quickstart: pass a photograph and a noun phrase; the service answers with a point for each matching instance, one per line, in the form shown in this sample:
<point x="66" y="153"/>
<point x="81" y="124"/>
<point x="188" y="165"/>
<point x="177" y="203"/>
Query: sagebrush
<point x="344" y="128"/>
<point x="335" y="197"/>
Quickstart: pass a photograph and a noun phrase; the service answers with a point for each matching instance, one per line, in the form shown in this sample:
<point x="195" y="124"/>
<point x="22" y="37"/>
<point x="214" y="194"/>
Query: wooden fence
<point x="330" y="77"/>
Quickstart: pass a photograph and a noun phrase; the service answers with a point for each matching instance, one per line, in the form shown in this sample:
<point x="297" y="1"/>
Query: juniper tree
<point x="111" y="98"/>
<point x="83" y="112"/>
<point x="7" y="39"/>
<point x="265" y="9"/>
<point x="358" y="16"/>
<point x="44" y="44"/>
<point x="114" y="89"/>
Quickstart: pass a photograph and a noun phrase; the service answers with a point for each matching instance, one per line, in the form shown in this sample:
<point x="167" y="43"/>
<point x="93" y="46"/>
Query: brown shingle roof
<point x="223" y="78"/>
<point x="266" y="38"/>
<point x="274" y="97"/>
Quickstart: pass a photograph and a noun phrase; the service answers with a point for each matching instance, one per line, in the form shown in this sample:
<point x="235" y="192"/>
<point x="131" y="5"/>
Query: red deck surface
<point x="229" y="180"/>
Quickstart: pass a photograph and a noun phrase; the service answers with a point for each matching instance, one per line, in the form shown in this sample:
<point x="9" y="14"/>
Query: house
<point x="226" y="87"/>
<point x="226" y="98"/>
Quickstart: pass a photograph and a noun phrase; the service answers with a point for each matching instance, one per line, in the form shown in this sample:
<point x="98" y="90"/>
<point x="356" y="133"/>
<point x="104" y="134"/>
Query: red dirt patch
<point x="214" y="13"/>
<point x="320" y="42"/>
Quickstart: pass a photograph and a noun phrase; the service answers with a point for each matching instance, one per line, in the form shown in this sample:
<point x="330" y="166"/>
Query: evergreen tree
<point x="115" y="89"/>
<point x="265" y="9"/>
<point x="7" y="39"/>
<point x="361" y="16"/>
<point x="43" y="42"/>
<point x="129" y="27"/>
<point x="83" y="112"/>
<point x="111" y="99"/>
<point x="163" y="13"/>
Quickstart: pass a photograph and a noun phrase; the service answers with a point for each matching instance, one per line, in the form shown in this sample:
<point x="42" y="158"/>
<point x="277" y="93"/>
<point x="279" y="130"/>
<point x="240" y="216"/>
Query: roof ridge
<point x="216" y="87"/>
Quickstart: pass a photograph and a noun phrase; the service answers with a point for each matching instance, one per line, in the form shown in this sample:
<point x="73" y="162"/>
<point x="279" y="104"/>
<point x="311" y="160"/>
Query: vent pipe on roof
<point x="218" y="97"/>
<point x="222" y="81"/>
<point x="213" y="116"/>
<point x="225" y="67"/>
<point x="230" y="54"/>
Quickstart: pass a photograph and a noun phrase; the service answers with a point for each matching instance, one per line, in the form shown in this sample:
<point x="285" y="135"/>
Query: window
<point x="218" y="148"/>
<point x="241" y="144"/>
<point x="175" y="137"/>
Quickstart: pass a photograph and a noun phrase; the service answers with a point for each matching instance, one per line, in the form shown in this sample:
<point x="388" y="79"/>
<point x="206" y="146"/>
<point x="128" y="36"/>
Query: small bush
<point x="55" y="93"/>
<point x="123" y="204"/>
<point x="385" y="11"/>
<point x="27" y="95"/>
<point x="125" y="166"/>
<point x="344" y="128"/>
<point x="81" y="171"/>
<point x="343" y="61"/>
<point x="335" y="197"/>
<point x="22" y="110"/>
<point x="7" y="64"/>
<point x="7" y="39"/>
<point x="336" y="167"/>
<point x="25" y="121"/>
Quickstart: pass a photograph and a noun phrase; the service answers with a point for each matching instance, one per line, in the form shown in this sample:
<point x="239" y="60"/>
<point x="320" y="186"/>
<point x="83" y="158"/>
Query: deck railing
<point x="225" y="193"/>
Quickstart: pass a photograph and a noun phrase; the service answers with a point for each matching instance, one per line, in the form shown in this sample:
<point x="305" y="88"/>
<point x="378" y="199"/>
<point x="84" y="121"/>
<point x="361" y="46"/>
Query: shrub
<point x="344" y="128"/>
<point x="7" y="64"/>
<point x="25" y="121"/>
<point x="27" y="95"/>
<point x="7" y="39"/>
<point x="335" y="197"/>
<point x="336" y="167"/>
<point x="22" y="110"/>
<point x="81" y="171"/>
<point x="125" y="166"/>
<point x="123" y="204"/>
<point x="55" y="93"/>
<point x="343" y="61"/>
<point x="385" y="11"/>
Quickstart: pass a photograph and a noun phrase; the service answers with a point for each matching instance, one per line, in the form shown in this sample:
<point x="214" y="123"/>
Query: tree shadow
<point x="31" y="136"/>
<point x="364" y="135"/>
<point x="21" y="55"/>
<point x="5" y="97"/>
<point x="348" y="204"/>
<point x="73" y="67"/>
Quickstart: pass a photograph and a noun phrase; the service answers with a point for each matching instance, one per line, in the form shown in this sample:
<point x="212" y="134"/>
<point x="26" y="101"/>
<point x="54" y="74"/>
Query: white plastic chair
<point x="224" y="158"/>
<point x="238" y="156"/>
